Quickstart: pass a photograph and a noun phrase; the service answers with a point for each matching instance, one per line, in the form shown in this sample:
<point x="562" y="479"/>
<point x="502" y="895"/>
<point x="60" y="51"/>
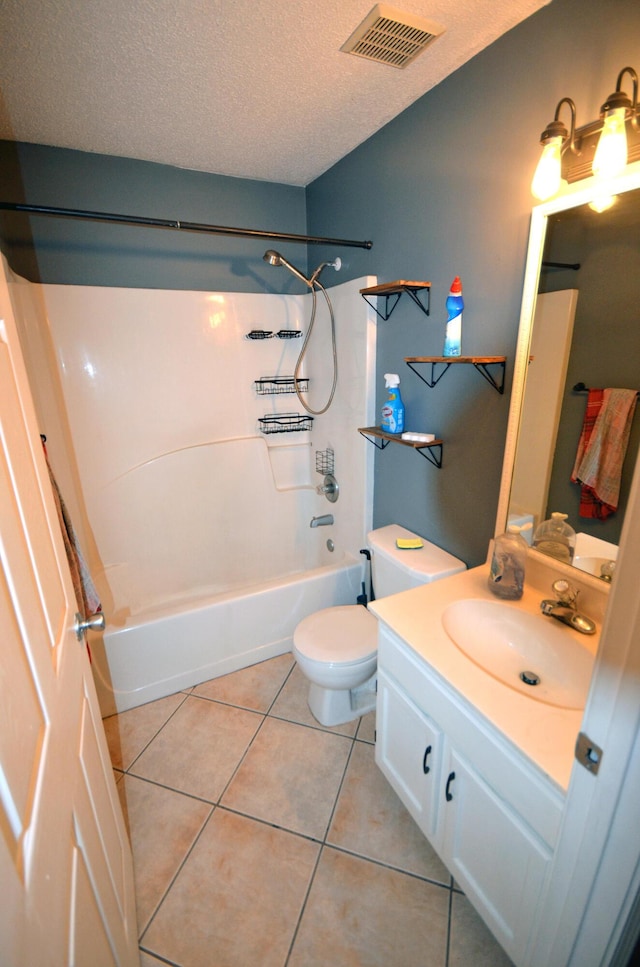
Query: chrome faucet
<point x="607" y="571"/>
<point x="564" y="608"/>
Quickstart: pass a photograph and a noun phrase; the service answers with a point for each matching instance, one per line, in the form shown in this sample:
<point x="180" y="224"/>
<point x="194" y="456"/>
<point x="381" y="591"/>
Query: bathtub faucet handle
<point x="329" y="488"/>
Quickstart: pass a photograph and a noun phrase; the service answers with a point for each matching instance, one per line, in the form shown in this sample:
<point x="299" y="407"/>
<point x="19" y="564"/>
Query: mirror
<point x="576" y="326"/>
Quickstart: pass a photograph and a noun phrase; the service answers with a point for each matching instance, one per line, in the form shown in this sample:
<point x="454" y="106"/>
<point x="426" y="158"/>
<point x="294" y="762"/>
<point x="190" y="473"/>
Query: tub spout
<point x="321" y="521"/>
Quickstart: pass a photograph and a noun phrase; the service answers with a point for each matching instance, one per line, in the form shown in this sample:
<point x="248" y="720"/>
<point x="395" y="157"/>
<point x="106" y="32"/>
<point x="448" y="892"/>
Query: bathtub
<point x="194" y="522"/>
<point x="167" y="649"/>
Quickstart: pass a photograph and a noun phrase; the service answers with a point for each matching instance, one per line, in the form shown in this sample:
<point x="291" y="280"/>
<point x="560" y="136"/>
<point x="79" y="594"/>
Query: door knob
<point x="94" y="622"/>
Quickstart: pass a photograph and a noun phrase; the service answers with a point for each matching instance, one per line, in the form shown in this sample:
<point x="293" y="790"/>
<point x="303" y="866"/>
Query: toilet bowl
<point x="337" y="648"/>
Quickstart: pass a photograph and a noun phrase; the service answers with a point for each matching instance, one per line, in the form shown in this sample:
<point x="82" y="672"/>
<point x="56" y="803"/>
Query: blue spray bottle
<point x="393" y="409"/>
<point x="453" y="333"/>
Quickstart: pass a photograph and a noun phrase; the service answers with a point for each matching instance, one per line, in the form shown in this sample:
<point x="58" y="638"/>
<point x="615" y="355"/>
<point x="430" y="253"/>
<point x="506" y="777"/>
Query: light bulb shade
<point x="602" y="202"/>
<point x="611" y="154"/>
<point x="546" y="180"/>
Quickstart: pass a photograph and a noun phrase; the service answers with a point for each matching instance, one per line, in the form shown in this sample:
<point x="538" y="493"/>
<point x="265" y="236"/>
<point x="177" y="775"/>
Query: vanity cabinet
<point x="409" y="750"/>
<point x="491" y="817"/>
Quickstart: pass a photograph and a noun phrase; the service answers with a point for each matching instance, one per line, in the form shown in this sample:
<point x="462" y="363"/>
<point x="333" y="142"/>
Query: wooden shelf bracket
<point x="481" y="363"/>
<point x="431" y="451"/>
<point x="392" y="291"/>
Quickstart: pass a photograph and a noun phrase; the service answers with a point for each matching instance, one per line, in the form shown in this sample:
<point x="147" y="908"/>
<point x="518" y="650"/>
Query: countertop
<point x="544" y="733"/>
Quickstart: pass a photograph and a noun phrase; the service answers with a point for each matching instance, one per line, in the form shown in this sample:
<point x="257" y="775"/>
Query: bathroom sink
<point x="527" y="652"/>
<point x="592" y="552"/>
<point x="590" y="564"/>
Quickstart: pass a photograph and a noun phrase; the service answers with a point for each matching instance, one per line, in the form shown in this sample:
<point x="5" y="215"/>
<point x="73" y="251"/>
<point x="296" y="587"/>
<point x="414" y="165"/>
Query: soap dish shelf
<point x="284" y="423"/>
<point x="392" y="291"/>
<point x="259" y="334"/>
<point x="289" y="333"/>
<point x="480" y="362"/>
<point x="431" y="451"/>
<point x="278" y="385"/>
<point x="325" y="461"/>
<point x="269" y="334"/>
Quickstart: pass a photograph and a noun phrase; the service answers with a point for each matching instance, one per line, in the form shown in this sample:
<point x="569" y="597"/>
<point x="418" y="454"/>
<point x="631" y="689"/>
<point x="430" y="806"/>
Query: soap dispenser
<point x="556" y="538"/>
<point x="506" y="575"/>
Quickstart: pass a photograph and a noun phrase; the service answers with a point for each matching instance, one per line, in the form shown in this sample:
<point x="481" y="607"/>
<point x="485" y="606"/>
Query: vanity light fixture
<point x="602" y="148"/>
<point x="612" y="151"/>
<point x="555" y="137"/>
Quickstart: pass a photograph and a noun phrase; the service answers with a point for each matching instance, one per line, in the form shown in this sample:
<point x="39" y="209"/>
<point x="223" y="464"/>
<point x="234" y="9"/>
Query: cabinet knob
<point x="447" y="794"/>
<point x="425" y="768"/>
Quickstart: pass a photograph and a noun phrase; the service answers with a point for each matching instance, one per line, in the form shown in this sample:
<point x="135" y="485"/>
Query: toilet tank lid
<point x="429" y="562"/>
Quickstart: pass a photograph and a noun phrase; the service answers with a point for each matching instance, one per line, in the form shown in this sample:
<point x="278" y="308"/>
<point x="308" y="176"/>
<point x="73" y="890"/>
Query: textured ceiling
<point x="250" y="88"/>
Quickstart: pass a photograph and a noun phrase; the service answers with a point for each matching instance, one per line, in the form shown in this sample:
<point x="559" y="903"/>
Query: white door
<point x="65" y="862"/>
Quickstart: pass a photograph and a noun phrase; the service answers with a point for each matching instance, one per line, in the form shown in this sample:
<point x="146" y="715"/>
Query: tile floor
<point x="261" y="839"/>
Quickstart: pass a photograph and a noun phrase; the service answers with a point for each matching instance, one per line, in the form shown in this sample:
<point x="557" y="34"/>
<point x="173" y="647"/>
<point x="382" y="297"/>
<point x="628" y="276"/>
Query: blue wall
<point x="60" y="250"/>
<point x="442" y="190"/>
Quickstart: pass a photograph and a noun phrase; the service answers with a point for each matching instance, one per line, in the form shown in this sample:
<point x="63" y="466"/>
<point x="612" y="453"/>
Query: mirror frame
<point x="579" y="193"/>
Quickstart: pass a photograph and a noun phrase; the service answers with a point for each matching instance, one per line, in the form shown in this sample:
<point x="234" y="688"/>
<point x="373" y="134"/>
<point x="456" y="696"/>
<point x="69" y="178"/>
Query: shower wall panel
<point x="153" y="416"/>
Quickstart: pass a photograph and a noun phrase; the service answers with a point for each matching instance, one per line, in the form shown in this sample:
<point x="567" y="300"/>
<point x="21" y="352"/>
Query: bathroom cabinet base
<point x="492" y="824"/>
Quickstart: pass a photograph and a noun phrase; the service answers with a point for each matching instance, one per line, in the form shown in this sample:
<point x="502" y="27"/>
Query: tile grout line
<point x="159" y="957"/>
<point x="214" y="807"/>
<point x="156" y="733"/>
<point x="175" y="876"/>
<point x="163" y="785"/>
<point x="326" y="845"/>
<point x="304" y="905"/>
<point x="448" y="945"/>
<point x="322" y="843"/>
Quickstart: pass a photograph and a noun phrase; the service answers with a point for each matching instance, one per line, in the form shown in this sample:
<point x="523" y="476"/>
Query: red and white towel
<point x="601" y="450"/>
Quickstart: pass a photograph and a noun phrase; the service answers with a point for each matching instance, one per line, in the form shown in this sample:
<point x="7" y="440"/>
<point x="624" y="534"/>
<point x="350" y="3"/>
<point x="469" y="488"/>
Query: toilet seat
<point x="344" y="634"/>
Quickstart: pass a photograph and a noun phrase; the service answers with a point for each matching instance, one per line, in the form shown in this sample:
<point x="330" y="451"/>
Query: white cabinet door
<point x="496" y="858"/>
<point x="489" y="818"/>
<point x="65" y="861"/>
<point x="409" y="753"/>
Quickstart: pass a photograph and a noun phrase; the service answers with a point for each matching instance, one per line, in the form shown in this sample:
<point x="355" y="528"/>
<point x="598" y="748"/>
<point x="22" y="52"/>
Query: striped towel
<point x="601" y="450"/>
<point x="86" y="595"/>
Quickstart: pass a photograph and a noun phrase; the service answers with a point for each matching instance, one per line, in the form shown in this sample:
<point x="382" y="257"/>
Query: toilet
<point x="337" y="648"/>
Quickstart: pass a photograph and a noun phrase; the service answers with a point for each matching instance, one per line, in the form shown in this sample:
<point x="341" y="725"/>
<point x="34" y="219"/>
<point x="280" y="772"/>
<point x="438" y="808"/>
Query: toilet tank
<point x="397" y="570"/>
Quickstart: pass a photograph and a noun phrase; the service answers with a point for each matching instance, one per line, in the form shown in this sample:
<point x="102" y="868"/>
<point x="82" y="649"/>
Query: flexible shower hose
<point x="313" y="285"/>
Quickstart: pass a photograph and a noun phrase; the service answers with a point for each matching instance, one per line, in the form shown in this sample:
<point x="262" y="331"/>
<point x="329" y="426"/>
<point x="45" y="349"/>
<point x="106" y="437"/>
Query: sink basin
<point x="592" y="552"/>
<point x="508" y="643"/>
<point x="590" y="564"/>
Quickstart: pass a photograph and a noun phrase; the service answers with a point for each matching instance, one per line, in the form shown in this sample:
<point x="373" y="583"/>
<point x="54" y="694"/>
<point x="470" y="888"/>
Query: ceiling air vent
<point x="391" y="37"/>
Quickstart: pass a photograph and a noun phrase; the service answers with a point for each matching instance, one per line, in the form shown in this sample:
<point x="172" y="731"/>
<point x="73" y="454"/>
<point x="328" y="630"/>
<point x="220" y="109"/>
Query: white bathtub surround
<point x="191" y="519"/>
<point x="156" y="654"/>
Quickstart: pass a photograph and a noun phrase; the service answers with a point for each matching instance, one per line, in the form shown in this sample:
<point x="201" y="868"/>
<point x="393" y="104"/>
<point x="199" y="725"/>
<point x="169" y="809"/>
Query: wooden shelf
<point x="480" y="362"/>
<point x="393" y="291"/>
<point x="432" y="451"/>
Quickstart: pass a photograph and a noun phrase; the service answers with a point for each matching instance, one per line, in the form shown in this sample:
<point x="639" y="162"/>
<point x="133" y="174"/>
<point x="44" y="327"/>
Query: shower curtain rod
<point x="176" y="224"/>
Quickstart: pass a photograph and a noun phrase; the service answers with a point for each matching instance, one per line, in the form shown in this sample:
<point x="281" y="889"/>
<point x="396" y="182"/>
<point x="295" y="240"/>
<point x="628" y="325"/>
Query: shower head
<point x="274" y="258"/>
<point x="336" y="264"/>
